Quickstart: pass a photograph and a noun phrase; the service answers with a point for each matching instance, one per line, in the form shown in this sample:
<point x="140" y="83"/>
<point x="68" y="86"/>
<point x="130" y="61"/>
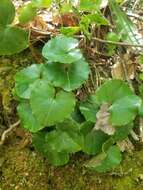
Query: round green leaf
<point x="68" y="77"/>
<point x="72" y="128"/>
<point x="93" y="142"/>
<point x="62" y="49"/>
<point x="48" y="106"/>
<point x="7" y="12"/>
<point x="60" y="141"/>
<point x="12" y="40"/>
<point x="54" y="157"/>
<point x="106" y="162"/>
<point x="28" y="120"/>
<point x="27" y="13"/>
<point x="124" y="110"/>
<point x="25" y="78"/>
<point x="112" y="90"/>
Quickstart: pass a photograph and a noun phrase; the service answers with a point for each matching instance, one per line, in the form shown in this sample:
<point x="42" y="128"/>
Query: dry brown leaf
<point x="125" y="145"/>
<point x="67" y="19"/>
<point x="102" y="122"/>
<point x="118" y="71"/>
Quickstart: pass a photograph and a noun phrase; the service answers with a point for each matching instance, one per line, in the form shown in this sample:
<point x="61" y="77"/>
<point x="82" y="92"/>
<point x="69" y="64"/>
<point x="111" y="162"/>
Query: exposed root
<point x="6" y="132"/>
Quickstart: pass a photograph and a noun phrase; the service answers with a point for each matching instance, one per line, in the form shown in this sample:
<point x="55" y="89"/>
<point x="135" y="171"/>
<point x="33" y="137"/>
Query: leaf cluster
<point x="13" y="39"/>
<point x="60" y="124"/>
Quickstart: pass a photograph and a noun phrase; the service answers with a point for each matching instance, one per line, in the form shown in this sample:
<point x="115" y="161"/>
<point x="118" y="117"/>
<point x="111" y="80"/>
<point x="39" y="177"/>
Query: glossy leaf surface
<point x="62" y="49"/>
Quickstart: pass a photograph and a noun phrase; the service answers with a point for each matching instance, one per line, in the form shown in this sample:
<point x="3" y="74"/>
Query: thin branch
<point x="135" y="4"/>
<point x="111" y="42"/>
<point x="96" y="39"/>
<point x="5" y="133"/>
<point x="136" y="16"/>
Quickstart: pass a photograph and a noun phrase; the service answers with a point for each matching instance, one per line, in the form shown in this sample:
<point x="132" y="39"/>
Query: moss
<point x="26" y="169"/>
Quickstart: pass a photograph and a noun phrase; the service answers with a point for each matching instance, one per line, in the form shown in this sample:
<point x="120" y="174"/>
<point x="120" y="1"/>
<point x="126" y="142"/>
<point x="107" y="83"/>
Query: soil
<point x="22" y="168"/>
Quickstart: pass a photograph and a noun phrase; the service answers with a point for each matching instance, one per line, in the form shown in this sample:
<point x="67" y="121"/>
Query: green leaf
<point x="124" y="110"/>
<point x="111" y="36"/>
<point x="48" y="106"/>
<point x="124" y="26"/>
<point x="68" y="77"/>
<point x="87" y="20"/>
<point x="27" y="13"/>
<point x="77" y="116"/>
<point x="141" y="110"/>
<point x="41" y="3"/>
<point x="89" y="109"/>
<point x="12" y="40"/>
<point x="25" y="78"/>
<point x="7" y="12"/>
<point x="58" y="158"/>
<point x="28" y="120"/>
<point x="66" y="7"/>
<point x="89" y="5"/>
<point x="62" y="49"/>
<point x="54" y="157"/>
<point x="86" y="127"/>
<point x="111" y="91"/>
<point x="106" y="162"/>
<point x="141" y="59"/>
<point x="60" y="141"/>
<point x="73" y="129"/>
<point x="93" y="142"/>
<point x="122" y="132"/>
<point x="69" y="31"/>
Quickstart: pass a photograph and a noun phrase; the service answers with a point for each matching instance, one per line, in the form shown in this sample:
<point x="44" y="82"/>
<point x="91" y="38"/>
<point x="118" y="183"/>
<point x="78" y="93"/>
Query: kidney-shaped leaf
<point x="62" y="49"/>
<point x="106" y="162"/>
<point x="68" y="77"/>
<point x="124" y="110"/>
<point x="60" y="141"/>
<point x="12" y="40"/>
<point x="28" y="120"/>
<point x="48" y="106"/>
<point x="25" y="78"/>
<point x="7" y="12"/>
<point x="112" y="90"/>
<point x="54" y="157"/>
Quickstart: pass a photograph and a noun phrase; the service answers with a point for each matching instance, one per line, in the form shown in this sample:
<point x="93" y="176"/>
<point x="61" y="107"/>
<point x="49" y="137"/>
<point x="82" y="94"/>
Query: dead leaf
<point x="118" y="70"/>
<point x="67" y="19"/>
<point x="125" y="145"/>
<point x="102" y="122"/>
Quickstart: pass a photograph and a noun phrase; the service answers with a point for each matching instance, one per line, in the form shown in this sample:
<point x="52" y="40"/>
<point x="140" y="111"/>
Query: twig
<point x="96" y="39"/>
<point x="136" y="16"/>
<point x="111" y="42"/>
<point x="5" y="133"/>
<point x="135" y="4"/>
<point x="134" y="135"/>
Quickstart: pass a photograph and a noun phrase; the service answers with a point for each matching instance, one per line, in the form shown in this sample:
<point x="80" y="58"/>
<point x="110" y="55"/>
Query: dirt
<point x="22" y="168"/>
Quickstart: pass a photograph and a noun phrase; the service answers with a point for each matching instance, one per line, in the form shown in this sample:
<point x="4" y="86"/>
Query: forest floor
<point x="22" y="168"/>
